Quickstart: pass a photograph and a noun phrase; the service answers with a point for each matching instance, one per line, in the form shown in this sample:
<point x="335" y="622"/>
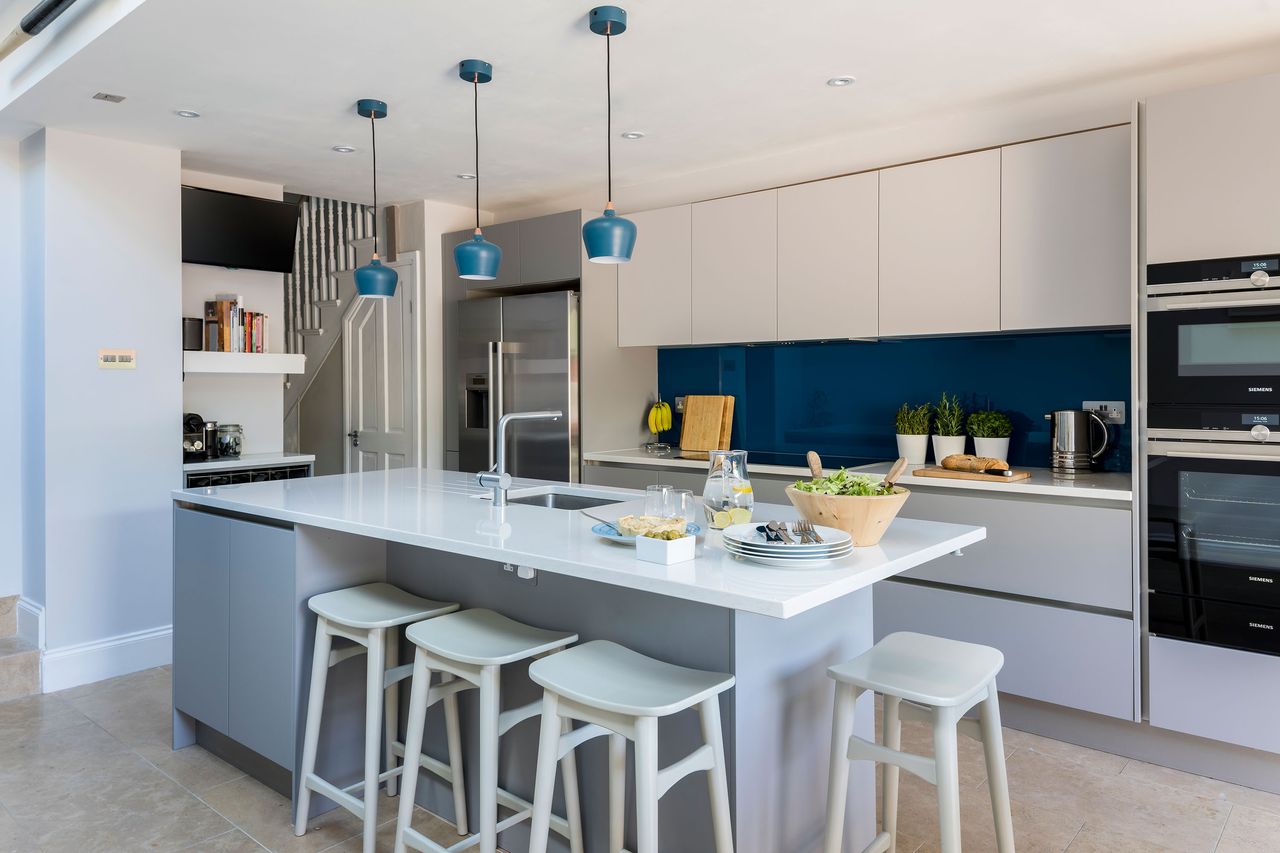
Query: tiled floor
<point x="90" y="770"/>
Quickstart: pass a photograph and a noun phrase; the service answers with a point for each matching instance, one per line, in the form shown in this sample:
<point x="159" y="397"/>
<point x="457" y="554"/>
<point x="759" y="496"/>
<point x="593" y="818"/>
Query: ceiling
<point x="709" y="83"/>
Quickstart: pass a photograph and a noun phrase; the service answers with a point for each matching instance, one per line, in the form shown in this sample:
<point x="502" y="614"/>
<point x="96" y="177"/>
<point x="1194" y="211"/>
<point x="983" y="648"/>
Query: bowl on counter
<point x="865" y="518"/>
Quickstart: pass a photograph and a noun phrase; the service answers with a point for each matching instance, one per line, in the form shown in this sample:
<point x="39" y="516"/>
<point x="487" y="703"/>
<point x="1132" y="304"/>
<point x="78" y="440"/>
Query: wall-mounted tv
<point x="229" y="230"/>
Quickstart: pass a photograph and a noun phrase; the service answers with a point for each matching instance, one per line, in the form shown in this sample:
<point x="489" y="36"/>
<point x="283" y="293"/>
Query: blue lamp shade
<point x="609" y="239"/>
<point x="477" y="258"/>
<point x="374" y="279"/>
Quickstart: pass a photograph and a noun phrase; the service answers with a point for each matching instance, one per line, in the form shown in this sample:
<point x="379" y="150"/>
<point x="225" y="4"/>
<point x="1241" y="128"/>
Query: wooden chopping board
<point x="943" y="473"/>
<point x="708" y="421"/>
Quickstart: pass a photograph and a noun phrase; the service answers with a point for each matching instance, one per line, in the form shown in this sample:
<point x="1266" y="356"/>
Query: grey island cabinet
<point x="248" y="557"/>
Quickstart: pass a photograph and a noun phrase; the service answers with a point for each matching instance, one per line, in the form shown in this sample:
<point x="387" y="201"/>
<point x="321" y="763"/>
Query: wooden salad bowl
<point x="864" y="518"/>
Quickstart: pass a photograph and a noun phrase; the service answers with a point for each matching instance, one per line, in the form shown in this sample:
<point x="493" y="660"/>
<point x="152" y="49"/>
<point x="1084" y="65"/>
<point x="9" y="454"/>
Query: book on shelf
<point x="228" y="327"/>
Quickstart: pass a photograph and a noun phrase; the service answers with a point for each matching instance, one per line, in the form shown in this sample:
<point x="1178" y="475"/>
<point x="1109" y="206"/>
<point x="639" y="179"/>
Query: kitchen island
<point x="247" y="558"/>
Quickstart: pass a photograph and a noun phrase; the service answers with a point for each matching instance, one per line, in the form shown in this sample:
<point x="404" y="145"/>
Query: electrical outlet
<point x="1112" y="411"/>
<point x="679" y="404"/>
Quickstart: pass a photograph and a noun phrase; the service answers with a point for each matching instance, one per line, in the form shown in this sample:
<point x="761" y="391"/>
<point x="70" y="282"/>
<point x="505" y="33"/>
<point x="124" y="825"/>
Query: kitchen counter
<point x="1100" y="485"/>
<point x="250" y="460"/>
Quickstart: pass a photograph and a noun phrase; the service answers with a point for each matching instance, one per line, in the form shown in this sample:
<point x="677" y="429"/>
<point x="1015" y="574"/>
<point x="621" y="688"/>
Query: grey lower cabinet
<point x="233" y="636"/>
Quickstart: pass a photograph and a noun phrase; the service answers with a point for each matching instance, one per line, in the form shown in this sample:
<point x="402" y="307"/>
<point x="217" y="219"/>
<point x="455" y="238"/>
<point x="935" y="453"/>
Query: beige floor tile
<point x="1091" y="840"/>
<point x="1155" y="813"/>
<point x="133" y="679"/>
<point x="47" y="761"/>
<point x="432" y="826"/>
<point x="192" y="767"/>
<point x="234" y="841"/>
<point x="918" y="738"/>
<point x="1204" y="786"/>
<point x="266" y="817"/>
<point x="19" y="669"/>
<point x="32" y="715"/>
<point x="1250" y="831"/>
<point x="135" y="709"/>
<point x="1091" y="759"/>
<point x="12" y="838"/>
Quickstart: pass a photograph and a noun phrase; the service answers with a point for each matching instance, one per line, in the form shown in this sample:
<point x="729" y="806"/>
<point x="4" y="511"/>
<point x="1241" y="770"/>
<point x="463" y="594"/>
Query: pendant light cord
<point x="373" y="136"/>
<point x="608" y="87"/>
<point x="475" y="112"/>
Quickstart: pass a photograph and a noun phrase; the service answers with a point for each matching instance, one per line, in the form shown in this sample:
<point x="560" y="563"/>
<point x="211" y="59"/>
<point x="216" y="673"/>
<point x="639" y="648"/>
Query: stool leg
<point x="717" y="776"/>
<point x="947" y="763"/>
<point x="454" y="736"/>
<point x="490" y="703"/>
<point x="544" y="786"/>
<point x="646" y="785"/>
<point x="374" y="675"/>
<point x="617" y="792"/>
<point x="572" y="803"/>
<point x="997" y="777"/>
<point x="391" y="708"/>
<point x="838" y="773"/>
<point x="889" y="772"/>
<point x="315" y="705"/>
<point x="419" y="687"/>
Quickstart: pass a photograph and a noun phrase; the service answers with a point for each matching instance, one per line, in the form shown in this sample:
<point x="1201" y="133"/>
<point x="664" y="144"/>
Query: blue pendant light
<point x="609" y="239"/>
<point x="374" y="279"/>
<point x="477" y="259"/>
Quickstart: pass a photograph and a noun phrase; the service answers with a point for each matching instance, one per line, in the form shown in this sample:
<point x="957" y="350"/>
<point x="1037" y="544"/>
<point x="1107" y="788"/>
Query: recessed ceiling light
<point x="343" y="149"/>
<point x="633" y="134"/>
<point x="108" y="97"/>
<point x="841" y="81"/>
<point x="186" y="114"/>
<point x="465" y="176"/>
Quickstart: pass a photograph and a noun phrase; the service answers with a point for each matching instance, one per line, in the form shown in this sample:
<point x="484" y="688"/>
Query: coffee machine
<point x="1072" y="449"/>
<point x="199" y="438"/>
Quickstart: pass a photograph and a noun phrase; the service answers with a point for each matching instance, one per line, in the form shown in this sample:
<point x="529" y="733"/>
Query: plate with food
<point x="625" y="530"/>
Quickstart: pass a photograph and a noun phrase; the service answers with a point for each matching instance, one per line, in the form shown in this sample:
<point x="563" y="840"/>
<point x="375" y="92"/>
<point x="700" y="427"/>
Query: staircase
<point x="19" y="660"/>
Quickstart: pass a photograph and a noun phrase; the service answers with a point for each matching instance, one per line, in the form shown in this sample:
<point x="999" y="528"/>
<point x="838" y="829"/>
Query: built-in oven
<point x="1213" y="543"/>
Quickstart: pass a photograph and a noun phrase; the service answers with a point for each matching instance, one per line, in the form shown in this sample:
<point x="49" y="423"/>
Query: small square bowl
<point x="666" y="551"/>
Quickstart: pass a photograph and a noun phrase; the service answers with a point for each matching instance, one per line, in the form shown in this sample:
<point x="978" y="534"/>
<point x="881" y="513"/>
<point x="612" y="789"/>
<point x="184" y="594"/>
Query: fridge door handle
<point x="495" y="397"/>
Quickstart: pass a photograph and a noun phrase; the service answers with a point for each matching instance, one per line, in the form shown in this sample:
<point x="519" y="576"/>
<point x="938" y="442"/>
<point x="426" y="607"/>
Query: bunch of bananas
<point x="659" y="417"/>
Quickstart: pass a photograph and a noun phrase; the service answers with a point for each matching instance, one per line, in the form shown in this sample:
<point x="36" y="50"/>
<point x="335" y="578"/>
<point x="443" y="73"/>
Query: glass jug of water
<point x="727" y="497"/>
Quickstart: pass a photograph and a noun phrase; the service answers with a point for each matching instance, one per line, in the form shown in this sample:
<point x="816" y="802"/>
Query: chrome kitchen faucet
<point x="497" y="478"/>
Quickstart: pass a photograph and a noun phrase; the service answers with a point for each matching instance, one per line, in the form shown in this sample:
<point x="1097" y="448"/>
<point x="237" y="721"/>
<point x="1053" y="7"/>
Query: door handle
<point x="354" y="435"/>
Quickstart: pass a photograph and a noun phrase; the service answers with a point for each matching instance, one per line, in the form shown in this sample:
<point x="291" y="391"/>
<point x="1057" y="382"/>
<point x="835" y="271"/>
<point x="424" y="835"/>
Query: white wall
<point x="10" y="365"/>
<point x="112" y="279"/>
<point x="32" y="167"/>
<point x="256" y="402"/>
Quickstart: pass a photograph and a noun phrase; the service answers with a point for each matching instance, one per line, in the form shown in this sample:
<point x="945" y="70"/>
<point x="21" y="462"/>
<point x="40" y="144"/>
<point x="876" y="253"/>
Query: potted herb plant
<point x="948" y="424"/>
<point x="990" y="430"/>
<point x="912" y="424"/>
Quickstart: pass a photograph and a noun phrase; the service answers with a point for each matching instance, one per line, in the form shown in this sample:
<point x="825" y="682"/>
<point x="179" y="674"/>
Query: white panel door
<point x="940" y="246"/>
<point x="655" y="288"/>
<point x="380" y="388"/>
<point x="1064" y="232"/>
<point x="828" y="258"/>
<point x="735" y="269"/>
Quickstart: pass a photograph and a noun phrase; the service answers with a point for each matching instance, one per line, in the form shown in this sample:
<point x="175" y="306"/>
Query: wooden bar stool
<point x="622" y="693"/>
<point x="368" y="616"/>
<point x="933" y="680"/>
<point x="471" y="647"/>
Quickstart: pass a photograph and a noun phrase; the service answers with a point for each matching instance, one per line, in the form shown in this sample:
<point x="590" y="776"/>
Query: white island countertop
<point x="446" y="511"/>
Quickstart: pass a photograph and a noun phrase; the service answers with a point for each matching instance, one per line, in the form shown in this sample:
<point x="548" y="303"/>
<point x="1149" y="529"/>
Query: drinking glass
<point x="685" y="505"/>
<point x="657" y="501"/>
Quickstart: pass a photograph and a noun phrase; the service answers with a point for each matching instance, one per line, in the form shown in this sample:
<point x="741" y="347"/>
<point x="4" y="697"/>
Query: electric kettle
<point x="1071" y="440"/>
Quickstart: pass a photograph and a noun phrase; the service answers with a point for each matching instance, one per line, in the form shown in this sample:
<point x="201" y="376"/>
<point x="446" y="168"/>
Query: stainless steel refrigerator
<point x="519" y="354"/>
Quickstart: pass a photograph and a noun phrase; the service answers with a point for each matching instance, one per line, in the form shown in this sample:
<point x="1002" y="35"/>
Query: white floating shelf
<point x="243" y="362"/>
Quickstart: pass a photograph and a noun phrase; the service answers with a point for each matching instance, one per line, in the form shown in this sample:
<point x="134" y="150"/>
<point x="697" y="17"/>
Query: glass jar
<point x="727" y="497"/>
<point x="230" y="437"/>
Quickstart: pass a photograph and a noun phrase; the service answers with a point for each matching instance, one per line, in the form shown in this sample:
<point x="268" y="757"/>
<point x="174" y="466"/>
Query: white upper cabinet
<point x="828" y="258"/>
<point x="1212" y="171"/>
<point x="940" y="246"/>
<point x="654" y="288"/>
<point x="735" y="269"/>
<point x="1065" y="232"/>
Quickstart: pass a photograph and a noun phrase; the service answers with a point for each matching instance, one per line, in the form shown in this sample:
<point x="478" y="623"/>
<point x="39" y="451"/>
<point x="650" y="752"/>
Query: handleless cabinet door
<point x="1065" y="232"/>
<point x="940" y="246"/>
<point x="735" y="269"/>
<point x="655" y="288"/>
<point x="201" y="664"/>
<point x="551" y="248"/>
<point x="828" y="261"/>
<point x="1212" y="174"/>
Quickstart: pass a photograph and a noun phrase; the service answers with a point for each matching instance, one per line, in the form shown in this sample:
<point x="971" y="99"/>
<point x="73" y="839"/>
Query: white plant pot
<point x="913" y="447"/>
<point x="946" y="445"/>
<point x="996" y="448"/>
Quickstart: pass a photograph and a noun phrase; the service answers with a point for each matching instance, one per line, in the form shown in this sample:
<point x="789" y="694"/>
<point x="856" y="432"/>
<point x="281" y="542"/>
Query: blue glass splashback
<point x="839" y="398"/>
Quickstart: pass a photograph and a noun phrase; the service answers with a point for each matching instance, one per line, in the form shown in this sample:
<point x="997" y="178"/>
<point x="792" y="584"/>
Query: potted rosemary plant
<point x="990" y="430"/>
<point x="912" y="424"/>
<point x="948" y="423"/>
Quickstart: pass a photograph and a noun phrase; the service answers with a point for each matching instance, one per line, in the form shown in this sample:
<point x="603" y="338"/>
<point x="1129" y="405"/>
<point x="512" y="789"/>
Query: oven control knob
<point x="1259" y="278"/>
<point x="1260" y="432"/>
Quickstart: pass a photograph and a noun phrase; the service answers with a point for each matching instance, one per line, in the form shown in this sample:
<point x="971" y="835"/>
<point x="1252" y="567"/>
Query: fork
<point x="808" y="532"/>
<point x="798" y="528"/>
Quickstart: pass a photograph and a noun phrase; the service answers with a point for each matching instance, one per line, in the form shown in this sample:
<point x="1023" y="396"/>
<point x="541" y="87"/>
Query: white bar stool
<point x="933" y="680"/>
<point x="367" y="616"/>
<point x="471" y="647"/>
<point x="622" y="693"/>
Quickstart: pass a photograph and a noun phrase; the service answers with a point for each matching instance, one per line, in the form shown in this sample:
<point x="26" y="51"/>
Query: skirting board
<point x="31" y="622"/>
<point x="86" y="663"/>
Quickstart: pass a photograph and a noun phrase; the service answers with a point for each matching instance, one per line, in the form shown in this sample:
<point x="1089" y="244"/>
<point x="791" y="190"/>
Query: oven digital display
<point x="1266" y="265"/>
<point x="1265" y="420"/>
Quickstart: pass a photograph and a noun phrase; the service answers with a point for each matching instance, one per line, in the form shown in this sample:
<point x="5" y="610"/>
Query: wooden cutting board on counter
<point x="708" y="422"/>
<point x="947" y="474"/>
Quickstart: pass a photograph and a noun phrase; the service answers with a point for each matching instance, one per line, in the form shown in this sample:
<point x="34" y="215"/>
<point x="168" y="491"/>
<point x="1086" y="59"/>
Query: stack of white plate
<point x="746" y="542"/>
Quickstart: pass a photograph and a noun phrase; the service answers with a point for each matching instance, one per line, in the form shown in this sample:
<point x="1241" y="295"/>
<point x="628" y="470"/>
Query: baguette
<point x="971" y="463"/>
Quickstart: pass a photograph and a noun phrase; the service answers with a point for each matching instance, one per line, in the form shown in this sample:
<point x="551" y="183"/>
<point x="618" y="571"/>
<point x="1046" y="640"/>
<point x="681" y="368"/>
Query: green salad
<point x="845" y="482"/>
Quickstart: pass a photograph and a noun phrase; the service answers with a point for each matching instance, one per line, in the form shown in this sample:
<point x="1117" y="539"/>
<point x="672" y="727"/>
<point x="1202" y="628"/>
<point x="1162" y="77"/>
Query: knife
<point x="997" y="472"/>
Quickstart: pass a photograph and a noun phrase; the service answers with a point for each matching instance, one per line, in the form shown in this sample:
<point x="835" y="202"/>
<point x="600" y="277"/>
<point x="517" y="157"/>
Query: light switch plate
<point x="117" y="359"/>
<point x="1112" y="411"/>
<point x="679" y="404"/>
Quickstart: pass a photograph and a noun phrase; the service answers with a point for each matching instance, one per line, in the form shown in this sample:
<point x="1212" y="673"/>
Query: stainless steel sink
<point x="556" y="500"/>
